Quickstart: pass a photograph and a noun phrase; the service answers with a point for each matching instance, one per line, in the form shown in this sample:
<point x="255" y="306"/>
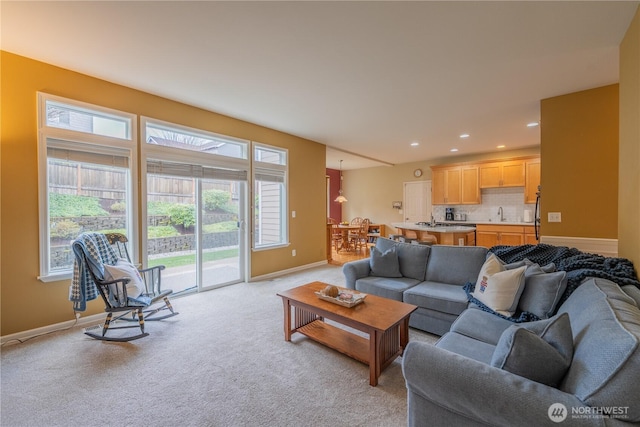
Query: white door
<point x="417" y="201"/>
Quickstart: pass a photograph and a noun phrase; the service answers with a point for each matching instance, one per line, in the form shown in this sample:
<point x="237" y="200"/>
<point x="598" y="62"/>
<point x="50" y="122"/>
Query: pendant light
<point x="340" y="198"/>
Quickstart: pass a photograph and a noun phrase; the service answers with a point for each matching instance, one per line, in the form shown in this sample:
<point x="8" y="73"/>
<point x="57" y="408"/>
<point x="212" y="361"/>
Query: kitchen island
<point x="445" y="234"/>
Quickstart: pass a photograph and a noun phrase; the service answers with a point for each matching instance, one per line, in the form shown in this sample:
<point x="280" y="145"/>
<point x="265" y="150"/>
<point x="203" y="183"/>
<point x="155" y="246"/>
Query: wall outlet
<point x="293" y="252"/>
<point x="293" y="214"/>
<point x="554" y="217"/>
<point x="78" y="315"/>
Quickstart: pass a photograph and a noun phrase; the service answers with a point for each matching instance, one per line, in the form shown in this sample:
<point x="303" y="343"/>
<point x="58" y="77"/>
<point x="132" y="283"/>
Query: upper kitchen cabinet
<point x="446" y="188"/>
<point x="470" y="187"/>
<point x="533" y="180"/>
<point x="502" y="174"/>
<point x="455" y="185"/>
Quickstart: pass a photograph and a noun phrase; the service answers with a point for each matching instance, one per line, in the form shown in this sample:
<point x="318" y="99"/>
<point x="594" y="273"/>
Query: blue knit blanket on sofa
<point x="578" y="265"/>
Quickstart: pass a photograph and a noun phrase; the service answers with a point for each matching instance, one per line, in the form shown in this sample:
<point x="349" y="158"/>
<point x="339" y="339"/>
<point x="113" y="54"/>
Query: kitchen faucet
<point x="501" y="214"/>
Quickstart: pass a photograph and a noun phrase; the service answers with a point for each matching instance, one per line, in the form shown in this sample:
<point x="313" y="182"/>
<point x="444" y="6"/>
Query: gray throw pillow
<point x="543" y="355"/>
<point x="384" y="264"/>
<point x="542" y="291"/>
<point x="513" y="265"/>
<point x="549" y="268"/>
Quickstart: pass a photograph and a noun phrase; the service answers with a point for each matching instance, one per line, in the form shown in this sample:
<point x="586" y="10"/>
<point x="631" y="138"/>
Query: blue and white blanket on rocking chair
<point x="96" y="250"/>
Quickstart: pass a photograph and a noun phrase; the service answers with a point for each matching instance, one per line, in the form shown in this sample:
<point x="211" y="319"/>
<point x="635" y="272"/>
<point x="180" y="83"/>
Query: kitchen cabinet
<point x="509" y="173"/>
<point x="470" y="188"/>
<point x="532" y="168"/>
<point x="455" y="185"/>
<point x="492" y="235"/>
<point x="446" y="186"/>
<point x="530" y="235"/>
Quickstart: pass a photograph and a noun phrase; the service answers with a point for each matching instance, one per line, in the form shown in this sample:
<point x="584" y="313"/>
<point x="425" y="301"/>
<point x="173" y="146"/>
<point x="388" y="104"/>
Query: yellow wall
<point x="629" y="177"/>
<point x="28" y="303"/>
<point x="579" y="163"/>
<point x="370" y="191"/>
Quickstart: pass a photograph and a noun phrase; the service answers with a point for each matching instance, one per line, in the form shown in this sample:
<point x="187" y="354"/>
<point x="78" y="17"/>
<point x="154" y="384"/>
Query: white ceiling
<point x="367" y="78"/>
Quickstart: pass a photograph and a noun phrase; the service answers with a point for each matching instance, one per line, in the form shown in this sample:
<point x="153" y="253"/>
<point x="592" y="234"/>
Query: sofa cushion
<point x="391" y="288"/>
<point x="466" y="346"/>
<point x="411" y="258"/>
<point x="500" y="291"/>
<point x="606" y="359"/>
<point x="438" y="296"/>
<point x="542" y="357"/>
<point x="492" y="326"/>
<point x="384" y="264"/>
<point x="542" y="291"/>
<point x="455" y="265"/>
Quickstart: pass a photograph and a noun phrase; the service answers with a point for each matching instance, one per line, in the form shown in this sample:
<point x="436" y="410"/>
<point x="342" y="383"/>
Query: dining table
<point x="346" y="228"/>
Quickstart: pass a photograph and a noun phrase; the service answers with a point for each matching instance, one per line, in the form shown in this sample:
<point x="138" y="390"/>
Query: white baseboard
<point x="24" y="335"/>
<point x="604" y="247"/>
<point x="99" y="318"/>
<point x="288" y="271"/>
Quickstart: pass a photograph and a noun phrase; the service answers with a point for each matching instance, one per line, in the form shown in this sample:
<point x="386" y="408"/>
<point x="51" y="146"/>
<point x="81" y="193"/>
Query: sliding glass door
<point x="194" y="230"/>
<point x="196" y="193"/>
<point x="221" y="238"/>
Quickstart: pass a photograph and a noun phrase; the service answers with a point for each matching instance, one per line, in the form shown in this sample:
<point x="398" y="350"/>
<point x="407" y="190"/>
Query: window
<point x="195" y="189"/>
<point x="65" y="116"/>
<point x="182" y="138"/>
<point x="85" y="158"/>
<point x="270" y="196"/>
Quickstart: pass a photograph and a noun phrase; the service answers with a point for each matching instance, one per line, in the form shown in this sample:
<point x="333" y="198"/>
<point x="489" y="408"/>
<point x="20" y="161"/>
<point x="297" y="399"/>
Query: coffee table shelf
<point x="338" y="339"/>
<point x="384" y="321"/>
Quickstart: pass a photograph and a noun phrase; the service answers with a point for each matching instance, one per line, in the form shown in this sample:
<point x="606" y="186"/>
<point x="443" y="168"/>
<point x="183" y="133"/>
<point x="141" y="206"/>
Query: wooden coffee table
<point x="385" y="320"/>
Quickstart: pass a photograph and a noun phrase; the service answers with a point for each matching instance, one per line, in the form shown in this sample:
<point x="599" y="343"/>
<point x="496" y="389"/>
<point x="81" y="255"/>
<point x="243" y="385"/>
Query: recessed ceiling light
<point x="501" y="146"/>
<point x="453" y="150"/>
<point x="415" y="144"/>
<point x="532" y="124"/>
<point x="464" y="135"/>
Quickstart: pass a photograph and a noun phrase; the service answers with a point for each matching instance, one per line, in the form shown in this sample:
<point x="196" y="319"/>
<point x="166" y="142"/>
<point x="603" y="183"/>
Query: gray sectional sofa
<point x="430" y="277"/>
<point x="490" y="371"/>
<point x="579" y="365"/>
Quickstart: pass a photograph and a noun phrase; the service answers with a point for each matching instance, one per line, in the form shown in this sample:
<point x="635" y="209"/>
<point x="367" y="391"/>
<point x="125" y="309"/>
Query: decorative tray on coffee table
<point x="345" y="298"/>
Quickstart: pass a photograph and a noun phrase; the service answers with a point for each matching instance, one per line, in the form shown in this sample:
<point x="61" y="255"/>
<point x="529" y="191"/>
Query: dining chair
<point x="361" y="236"/>
<point x="336" y="234"/>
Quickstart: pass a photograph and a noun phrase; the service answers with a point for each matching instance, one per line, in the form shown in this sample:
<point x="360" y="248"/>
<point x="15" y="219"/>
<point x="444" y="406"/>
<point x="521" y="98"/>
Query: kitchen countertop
<point x="437" y="229"/>
<point x="462" y="223"/>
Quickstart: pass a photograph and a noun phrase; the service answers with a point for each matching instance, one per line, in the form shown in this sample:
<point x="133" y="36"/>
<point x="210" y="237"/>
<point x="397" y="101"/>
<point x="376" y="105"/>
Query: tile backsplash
<point x="510" y="199"/>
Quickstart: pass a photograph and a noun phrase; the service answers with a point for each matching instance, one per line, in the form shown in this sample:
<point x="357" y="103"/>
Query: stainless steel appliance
<point x="448" y="214"/>
<point x="536" y="215"/>
<point x="459" y="216"/>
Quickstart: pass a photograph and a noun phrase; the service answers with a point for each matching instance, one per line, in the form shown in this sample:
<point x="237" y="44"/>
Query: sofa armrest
<point x="355" y="270"/>
<point x="475" y="393"/>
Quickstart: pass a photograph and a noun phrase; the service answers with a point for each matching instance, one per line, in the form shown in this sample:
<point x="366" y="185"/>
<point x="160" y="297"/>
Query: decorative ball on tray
<point x="331" y="291"/>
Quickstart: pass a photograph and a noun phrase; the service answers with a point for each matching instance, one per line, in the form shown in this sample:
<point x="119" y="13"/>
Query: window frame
<point x="52" y="137"/>
<point x="278" y="169"/>
<point x="151" y="152"/>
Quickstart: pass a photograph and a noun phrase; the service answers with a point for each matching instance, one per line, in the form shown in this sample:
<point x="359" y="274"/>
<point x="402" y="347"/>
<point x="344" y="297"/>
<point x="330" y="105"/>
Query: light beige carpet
<point x="222" y="362"/>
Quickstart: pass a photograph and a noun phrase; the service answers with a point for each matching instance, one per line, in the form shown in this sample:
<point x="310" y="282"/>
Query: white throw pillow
<point x="501" y="291"/>
<point x="491" y="266"/>
<point x="124" y="269"/>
